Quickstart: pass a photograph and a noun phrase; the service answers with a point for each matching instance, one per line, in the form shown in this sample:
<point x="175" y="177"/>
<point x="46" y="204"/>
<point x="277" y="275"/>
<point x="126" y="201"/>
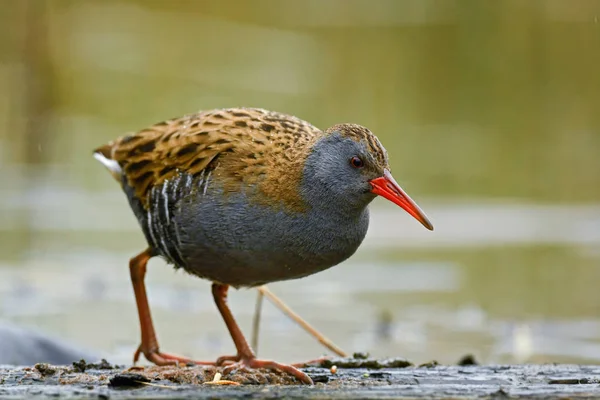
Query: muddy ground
<point x="353" y="378"/>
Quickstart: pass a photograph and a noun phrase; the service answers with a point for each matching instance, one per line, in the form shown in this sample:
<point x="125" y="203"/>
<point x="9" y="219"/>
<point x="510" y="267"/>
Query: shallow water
<point x="505" y="282"/>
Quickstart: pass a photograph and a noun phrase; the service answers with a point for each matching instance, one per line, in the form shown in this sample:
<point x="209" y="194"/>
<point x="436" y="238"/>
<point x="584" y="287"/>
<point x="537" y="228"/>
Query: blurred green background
<point x="490" y="111"/>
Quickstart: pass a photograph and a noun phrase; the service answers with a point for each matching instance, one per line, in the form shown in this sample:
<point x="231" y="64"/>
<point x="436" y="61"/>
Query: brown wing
<point x="250" y="143"/>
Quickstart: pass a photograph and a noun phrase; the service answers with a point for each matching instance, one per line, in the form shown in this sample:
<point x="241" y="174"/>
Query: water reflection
<point x="503" y="303"/>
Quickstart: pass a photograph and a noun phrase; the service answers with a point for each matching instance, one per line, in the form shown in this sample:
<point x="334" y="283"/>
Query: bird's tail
<point x="104" y="155"/>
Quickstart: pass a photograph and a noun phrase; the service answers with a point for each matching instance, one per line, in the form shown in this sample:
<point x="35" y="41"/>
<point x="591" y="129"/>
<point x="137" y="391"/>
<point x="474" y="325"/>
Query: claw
<point x="254" y="363"/>
<point x="159" y="358"/>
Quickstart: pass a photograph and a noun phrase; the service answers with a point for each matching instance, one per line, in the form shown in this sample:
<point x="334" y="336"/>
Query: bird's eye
<point x="356" y="162"/>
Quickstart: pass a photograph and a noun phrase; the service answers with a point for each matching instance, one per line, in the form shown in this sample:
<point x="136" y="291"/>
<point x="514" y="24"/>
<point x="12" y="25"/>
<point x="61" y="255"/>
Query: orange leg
<point x="149" y="345"/>
<point x="245" y="356"/>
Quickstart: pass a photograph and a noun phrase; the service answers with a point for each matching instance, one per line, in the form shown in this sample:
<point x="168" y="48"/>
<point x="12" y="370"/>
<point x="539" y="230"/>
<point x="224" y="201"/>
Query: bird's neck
<point x="332" y="234"/>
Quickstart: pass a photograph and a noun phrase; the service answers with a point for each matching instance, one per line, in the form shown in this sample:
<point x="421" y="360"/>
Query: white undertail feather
<point x="206" y="183"/>
<point x="165" y="196"/>
<point x="166" y="249"/>
<point x="200" y="180"/>
<point x="151" y="229"/>
<point x="112" y="165"/>
<point x="156" y="197"/>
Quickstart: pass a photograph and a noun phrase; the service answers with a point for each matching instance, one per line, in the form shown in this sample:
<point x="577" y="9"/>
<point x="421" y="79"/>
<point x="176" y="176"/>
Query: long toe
<point x="227" y="359"/>
<point x="160" y="358"/>
<point x="301" y="376"/>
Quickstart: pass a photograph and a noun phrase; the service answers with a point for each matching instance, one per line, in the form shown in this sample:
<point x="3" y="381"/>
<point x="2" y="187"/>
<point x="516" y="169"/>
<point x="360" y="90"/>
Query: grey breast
<point x="230" y="239"/>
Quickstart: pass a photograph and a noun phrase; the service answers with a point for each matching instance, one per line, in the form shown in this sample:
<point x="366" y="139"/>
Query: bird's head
<point x="348" y="167"/>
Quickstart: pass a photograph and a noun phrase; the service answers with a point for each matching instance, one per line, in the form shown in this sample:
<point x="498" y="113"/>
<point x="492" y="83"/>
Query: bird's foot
<point x="237" y="362"/>
<point x="226" y="360"/>
<point x="159" y="358"/>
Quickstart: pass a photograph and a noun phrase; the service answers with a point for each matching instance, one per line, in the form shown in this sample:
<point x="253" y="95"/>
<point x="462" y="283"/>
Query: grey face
<point x="338" y="172"/>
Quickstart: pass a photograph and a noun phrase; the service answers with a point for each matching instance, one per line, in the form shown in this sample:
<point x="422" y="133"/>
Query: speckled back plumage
<point x="223" y="193"/>
<point x="239" y="145"/>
